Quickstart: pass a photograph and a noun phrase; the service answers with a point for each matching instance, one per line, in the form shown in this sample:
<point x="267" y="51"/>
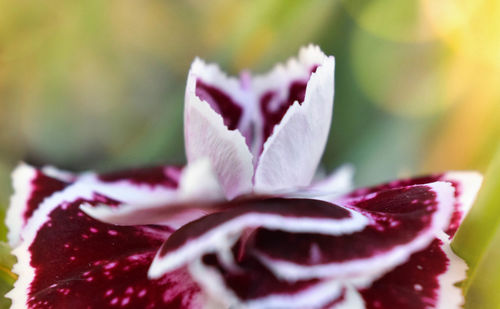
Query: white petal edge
<point x="85" y="188"/>
<point x="225" y="235"/>
<point x="470" y="183"/>
<point x="352" y="299"/>
<point x="19" y="294"/>
<point x="22" y="176"/>
<point x="198" y="183"/>
<point x="449" y="295"/>
<point x="213" y="284"/>
<point x="293" y="151"/>
<point x="384" y="262"/>
<point x="206" y="136"/>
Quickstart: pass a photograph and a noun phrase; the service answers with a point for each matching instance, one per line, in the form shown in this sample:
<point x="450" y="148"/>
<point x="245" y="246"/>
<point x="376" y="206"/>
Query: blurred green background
<point x="100" y="84"/>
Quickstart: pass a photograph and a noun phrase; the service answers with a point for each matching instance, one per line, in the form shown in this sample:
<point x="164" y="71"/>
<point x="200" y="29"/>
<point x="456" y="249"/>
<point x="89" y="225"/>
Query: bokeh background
<point x="99" y="85"/>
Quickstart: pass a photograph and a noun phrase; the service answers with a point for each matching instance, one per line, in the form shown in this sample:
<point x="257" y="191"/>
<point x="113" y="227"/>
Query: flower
<point x="240" y="225"/>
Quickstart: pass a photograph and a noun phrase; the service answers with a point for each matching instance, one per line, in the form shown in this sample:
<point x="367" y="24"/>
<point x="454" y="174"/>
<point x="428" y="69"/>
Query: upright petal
<point x="298" y="137"/>
<point x="212" y="135"/>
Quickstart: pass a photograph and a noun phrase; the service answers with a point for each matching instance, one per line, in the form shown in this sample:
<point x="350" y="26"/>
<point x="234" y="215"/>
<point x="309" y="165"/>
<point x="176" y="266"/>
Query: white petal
<point x="293" y="151"/>
<point x="449" y="295"/>
<point x="206" y="136"/>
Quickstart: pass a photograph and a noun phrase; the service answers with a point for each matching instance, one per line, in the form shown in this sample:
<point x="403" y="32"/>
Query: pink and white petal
<point x="31" y="187"/>
<point x="402" y="221"/>
<point x="427" y="280"/>
<point x="253" y="286"/>
<point x="197" y="192"/>
<point x="218" y="232"/>
<point x="68" y="259"/>
<point x="465" y="183"/>
<point x="206" y="136"/>
<point x="293" y="151"/>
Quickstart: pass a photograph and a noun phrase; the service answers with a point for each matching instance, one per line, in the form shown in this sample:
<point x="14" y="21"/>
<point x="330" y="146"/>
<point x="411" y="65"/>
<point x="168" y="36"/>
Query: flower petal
<point x="31" y="187"/>
<point x="427" y="280"/>
<point x="253" y="286"/>
<point x="198" y="188"/>
<point x="207" y="135"/>
<point x="219" y="231"/>
<point x="292" y="152"/>
<point x="68" y="259"/>
<point x="402" y="221"/>
<point x="466" y="185"/>
<point x="165" y="176"/>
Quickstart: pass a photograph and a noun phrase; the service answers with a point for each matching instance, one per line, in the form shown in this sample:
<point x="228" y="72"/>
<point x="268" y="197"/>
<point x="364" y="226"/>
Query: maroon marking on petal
<point x="160" y="175"/>
<point x="396" y="184"/>
<point x="221" y="102"/>
<point x="398" y="216"/>
<point x="272" y="111"/>
<point x="457" y="215"/>
<point x="42" y="187"/>
<point x="253" y="280"/>
<point x="83" y="263"/>
<point x="336" y="301"/>
<point x="412" y="285"/>
<point x="295" y="208"/>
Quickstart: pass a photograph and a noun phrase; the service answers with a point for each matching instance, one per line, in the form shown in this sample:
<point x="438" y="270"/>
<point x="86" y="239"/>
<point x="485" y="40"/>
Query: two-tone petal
<point x="264" y="133"/>
<point x="300" y="247"/>
<point x="67" y="259"/>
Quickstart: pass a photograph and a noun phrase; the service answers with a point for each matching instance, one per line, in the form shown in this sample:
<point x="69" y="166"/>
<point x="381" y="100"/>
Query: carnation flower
<point x="242" y="225"/>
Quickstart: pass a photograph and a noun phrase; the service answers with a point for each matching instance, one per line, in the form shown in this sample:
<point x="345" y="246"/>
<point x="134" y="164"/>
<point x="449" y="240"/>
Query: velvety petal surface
<point x="466" y="186"/>
<point x="401" y="221"/>
<point x="69" y="260"/>
<point x="427" y="280"/>
<point x="218" y="232"/>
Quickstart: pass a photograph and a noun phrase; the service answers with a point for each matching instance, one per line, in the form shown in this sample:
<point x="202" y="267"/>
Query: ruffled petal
<point x="402" y="221"/>
<point x="31" y="187"/>
<point x="208" y="136"/>
<point x="293" y="150"/>
<point x="68" y="259"/>
<point x="218" y="232"/>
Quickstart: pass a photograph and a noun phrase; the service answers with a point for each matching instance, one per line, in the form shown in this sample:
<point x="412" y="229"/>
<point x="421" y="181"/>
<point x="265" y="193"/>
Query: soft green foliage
<point x="7" y="278"/>
<point x="478" y="242"/>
